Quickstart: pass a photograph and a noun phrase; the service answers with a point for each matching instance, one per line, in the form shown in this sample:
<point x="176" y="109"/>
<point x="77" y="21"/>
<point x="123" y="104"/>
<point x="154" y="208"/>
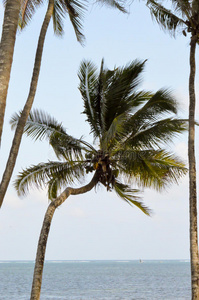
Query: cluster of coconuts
<point x="101" y="163"/>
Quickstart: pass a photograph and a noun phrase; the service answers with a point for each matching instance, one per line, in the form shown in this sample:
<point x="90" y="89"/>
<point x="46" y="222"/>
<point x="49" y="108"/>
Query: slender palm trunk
<point x="192" y="178"/>
<point x="28" y="105"/>
<point x="41" y="249"/>
<point x="8" y="38"/>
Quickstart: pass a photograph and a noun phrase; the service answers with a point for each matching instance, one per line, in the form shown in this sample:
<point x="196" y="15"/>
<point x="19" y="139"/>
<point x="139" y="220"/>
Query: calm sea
<point x="105" y="280"/>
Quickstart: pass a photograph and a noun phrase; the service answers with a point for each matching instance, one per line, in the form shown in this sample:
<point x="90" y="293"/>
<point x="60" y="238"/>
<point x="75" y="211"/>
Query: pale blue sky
<point x="97" y="225"/>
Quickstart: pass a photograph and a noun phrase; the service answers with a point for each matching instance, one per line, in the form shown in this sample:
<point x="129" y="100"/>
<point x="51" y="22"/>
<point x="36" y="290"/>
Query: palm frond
<point x="88" y="87"/>
<point x="42" y="174"/>
<point x="151" y="168"/>
<point x="156" y="134"/>
<point x="161" y="102"/>
<point x="53" y="188"/>
<point x="183" y="8"/>
<point x="119" y="85"/>
<point x="130" y="196"/>
<point x="28" y="8"/>
<point x="156" y="106"/>
<point x="194" y="7"/>
<point x="98" y="98"/>
<point x="41" y="125"/>
<point x="115" y="4"/>
<point x="112" y="135"/>
<point x="76" y="10"/>
<point x="137" y="99"/>
<point x="69" y="148"/>
<point x="58" y="16"/>
<point x="164" y="17"/>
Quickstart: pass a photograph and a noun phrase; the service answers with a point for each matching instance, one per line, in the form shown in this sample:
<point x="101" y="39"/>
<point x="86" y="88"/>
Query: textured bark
<point x="28" y="105"/>
<point x="192" y="178"/>
<point x="8" y="38"/>
<point x="41" y="249"/>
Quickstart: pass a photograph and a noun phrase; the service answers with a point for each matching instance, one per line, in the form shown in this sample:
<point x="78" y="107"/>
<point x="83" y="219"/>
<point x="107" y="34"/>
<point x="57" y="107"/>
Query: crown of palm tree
<point x="74" y="9"/>
<point x="183" y="14"/>
<point x="129" y="128"/>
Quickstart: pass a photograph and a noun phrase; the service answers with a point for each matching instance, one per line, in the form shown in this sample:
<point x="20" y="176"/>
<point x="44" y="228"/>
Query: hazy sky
<point x="96" y="225"/>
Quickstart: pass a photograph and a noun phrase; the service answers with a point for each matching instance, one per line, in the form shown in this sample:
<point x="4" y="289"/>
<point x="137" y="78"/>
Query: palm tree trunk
<point x="41" y="249"/>
<point x="8" y="38"/>
<point x="192" y="178"/>
<point x="28" y="105"/>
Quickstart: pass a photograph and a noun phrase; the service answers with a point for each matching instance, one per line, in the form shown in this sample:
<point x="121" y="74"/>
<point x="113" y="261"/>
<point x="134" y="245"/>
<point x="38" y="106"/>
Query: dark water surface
<point x="104" y="280"/>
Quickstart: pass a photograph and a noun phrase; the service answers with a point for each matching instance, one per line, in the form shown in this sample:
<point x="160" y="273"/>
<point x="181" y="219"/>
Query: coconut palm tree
<point x="184" y="17"/>
<point x="129" y="128"/>
<point x="12" y="8"/>
<point x="20" y="12"/>
<point x="57" y="9"/>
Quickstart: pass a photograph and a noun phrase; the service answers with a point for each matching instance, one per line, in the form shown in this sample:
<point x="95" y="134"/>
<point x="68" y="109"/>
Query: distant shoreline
<point x="99" y="260"/>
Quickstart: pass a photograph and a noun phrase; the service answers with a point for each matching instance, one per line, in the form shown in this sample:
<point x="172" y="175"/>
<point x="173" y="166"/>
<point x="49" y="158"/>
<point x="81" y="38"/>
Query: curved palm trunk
<point x="28" y="105"/>
<point x="8" y="38"/>
<point x="192" y="178"/>
<point x="41" y="249"/>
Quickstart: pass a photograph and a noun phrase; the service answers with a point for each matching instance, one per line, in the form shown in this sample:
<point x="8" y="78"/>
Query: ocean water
<point x="99" y="280"/>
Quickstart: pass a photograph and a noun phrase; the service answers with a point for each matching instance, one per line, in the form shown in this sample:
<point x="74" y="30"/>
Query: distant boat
<point x="141" y="261"/>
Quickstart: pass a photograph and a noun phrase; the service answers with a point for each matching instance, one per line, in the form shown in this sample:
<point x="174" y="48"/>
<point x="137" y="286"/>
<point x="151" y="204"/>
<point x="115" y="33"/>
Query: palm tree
<point x="128" y="126"/>
<point x="8" y="38"/>
<point x="57" y="9"/>
<point x="184" y="16"/>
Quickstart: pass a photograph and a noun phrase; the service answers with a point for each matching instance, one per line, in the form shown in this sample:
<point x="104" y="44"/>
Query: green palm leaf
<point x="76" y="10"/>
<point x="58" y="16"/>
<point x="115" y="4"/>
<point x="28" y="8"/>
<point x="150" y="168"/>
<point x="53" y="188"/>
<point x="182" y="7"/>
<point x="130" y="196"/>
<point x="88" y="84"/>
<point x="98" y="101"/>
<point x="41" y="125"/>
<point x="113" y="134"/>
<point x="160" y="103"/>
<point x="42" y="174"/>
<point x="121" y="125"/>
<point x="156" y="134"/>
<point x="156" y="106"/>
<point x="164" y="17"/>
<point x="119" y="86"/>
